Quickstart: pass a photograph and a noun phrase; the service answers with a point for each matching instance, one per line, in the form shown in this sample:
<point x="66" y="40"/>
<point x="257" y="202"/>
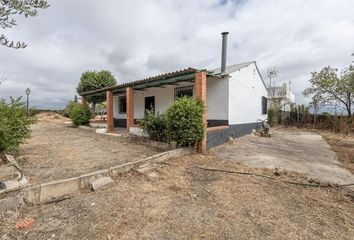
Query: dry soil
<point x="57" y="150"/>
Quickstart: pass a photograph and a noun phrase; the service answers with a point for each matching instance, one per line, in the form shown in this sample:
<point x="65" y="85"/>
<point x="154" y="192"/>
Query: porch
<point x="128" y="102"/>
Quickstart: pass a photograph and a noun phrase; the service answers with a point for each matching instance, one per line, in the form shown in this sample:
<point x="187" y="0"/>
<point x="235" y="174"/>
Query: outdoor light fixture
<point x="28" y="92"/>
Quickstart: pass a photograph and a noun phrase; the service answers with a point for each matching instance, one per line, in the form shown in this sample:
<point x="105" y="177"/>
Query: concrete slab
<point x="145" y="167"/>
<point x="100" y="183"/>
<point x="297" y="151"/>
<point x="59" y="189"/>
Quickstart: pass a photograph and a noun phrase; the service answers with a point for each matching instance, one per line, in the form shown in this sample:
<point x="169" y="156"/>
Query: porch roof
<point x="187" y="74"/>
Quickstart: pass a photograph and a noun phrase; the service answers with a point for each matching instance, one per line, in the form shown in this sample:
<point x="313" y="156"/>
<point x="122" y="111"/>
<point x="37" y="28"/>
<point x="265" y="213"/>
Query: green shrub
<point x="80" y="115"/>
<point x="69" y="107"/>
<point x="155" y="125"/>
<point x="184" y="121"/>
<point x="14" y="124"/>
<point x="272" y="116"/>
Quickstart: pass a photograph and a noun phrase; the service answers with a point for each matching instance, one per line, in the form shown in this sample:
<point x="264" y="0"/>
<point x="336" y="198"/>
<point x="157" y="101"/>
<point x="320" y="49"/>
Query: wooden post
<point x="84" y="101"/>
<point x="109" y="108"/>
<point x="130" y="107"/>
<point x="200" y="92"/>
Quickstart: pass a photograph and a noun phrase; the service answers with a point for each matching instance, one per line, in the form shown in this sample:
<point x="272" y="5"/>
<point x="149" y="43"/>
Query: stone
<point x="100" y="183"/>
<point x="145" y="167"/>
<point x="101" y="130"/>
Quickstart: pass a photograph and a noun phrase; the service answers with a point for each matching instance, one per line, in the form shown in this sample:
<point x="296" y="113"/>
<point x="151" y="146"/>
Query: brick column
<point x="200" y="88"/>
<point x="84" y="101"/>
<point x="109" y="108"/>
<point x="130" y="107"/>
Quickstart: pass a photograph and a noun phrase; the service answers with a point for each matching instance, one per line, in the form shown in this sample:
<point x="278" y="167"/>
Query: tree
<point x="332" y="89"/>
<point x="92" y="80"/>
<point x="28" y="8"/>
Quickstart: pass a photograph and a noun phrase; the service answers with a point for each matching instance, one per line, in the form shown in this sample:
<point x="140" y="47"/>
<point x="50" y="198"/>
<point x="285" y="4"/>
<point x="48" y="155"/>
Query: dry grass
<point x="57" y="151"/>
<point x="343" y="145"/>
<point x="50" y="117"/>
<point x="178" y="200"/>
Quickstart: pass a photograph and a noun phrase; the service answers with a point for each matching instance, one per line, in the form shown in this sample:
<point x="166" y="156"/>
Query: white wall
<point x="245" y="96"/>
<point x="217" y="98"/>
<point x="164" y="97"/>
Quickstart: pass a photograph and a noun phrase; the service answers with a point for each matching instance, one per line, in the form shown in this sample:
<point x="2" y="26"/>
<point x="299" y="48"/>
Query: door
<point x="150" y="104"/>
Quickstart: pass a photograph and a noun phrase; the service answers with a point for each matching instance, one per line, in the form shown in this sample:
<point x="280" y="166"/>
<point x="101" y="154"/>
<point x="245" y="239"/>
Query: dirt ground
<point x="179" y="200"/>
<point x="57" y="150"/>
<point x="343" y="145"/>
<point x="297" y="150"/>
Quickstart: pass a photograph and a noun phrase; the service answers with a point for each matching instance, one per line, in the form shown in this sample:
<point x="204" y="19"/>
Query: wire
<point x="273" y="178"/>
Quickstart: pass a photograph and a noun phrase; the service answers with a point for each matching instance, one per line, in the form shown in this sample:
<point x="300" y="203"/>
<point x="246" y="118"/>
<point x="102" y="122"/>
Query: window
<point x="150" y="104"/>
<point x="122" y="106"/>
<point x="183" y="91"/>
<point x="264" y="105"/>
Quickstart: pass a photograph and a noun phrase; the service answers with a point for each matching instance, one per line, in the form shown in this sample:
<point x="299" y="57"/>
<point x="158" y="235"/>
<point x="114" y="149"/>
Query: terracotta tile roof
<point x="160" y="77"/>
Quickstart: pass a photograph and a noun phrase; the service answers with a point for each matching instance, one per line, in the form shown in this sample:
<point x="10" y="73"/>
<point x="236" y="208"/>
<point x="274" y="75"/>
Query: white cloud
<point x="135" y="39"/>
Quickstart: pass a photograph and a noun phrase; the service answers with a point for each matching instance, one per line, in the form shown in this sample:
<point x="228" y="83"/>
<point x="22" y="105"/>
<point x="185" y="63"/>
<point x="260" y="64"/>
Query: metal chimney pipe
<point x="224" y="51"/>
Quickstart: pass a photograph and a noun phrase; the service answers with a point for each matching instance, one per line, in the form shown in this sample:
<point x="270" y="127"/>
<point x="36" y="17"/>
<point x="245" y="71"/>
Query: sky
<point x="137" y="38"/>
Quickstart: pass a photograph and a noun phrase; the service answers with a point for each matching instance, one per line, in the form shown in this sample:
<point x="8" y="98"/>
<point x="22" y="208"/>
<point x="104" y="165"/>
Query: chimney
<point x="224" y="51"/>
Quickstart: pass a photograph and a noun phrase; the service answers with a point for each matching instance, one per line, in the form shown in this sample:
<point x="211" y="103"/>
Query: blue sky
<point x="135" y="39"/>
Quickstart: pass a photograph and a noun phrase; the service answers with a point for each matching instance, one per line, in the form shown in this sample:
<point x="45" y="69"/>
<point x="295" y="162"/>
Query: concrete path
<point x="297" y="151"/>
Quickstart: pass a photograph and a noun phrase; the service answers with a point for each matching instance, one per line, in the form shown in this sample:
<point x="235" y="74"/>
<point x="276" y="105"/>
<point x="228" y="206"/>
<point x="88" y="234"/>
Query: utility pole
<point x="28" y="92"/>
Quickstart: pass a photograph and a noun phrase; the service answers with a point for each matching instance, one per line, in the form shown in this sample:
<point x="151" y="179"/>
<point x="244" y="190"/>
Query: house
<point x="235" y="97"/>
<point x="281" y="98"/>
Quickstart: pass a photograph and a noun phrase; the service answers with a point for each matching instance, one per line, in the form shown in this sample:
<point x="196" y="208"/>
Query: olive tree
<point x="328" y="88"/>
<point x="9" y="8"/>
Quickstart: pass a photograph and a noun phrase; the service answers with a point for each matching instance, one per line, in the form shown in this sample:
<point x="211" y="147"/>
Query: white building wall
<point x="246" y="89"/>
<point x="164" y="97"/>
<point x="217" y="98"/>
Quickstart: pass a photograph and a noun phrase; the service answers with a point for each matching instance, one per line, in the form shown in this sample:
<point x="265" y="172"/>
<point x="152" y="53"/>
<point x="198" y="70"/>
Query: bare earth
<point x="179" y="200"/>
<point x="343" y="145"/>
<point x="293" y="150"/>
<point x="58" y="151"/>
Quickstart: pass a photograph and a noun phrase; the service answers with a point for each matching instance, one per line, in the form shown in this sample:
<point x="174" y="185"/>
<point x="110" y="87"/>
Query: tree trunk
<point x="93" y="109"/>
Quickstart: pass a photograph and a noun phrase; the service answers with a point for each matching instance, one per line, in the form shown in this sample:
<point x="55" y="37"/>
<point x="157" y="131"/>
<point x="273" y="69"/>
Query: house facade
<point x="281" y="98"/>
<point x="234" y="99"/>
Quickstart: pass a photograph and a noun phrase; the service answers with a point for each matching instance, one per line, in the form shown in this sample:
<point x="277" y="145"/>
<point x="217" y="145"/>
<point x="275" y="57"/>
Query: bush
<point x="80" y="115"/>
<point x="14" y="124"/>
<point x="155" y="125"/>
<point x="272" y="116"/>
<point x="184" y="121"/>
<point x="69" y="107"/>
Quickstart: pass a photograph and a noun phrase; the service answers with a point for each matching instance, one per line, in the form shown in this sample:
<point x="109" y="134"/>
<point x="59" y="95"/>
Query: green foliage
<point x="272" y="116"/>
<point x="101" y="107"/>
<point x="69" y="107"/>
<point x="155" y="125"/>
<point x="184" y="121"/>
<point x="92" y="80"/>
<point x="28" y="8"/>
<point x="300" y="108"/>
<point x="332" y="89"/>
<point x="80" y="115"/>
<point x="14" y="124"/>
